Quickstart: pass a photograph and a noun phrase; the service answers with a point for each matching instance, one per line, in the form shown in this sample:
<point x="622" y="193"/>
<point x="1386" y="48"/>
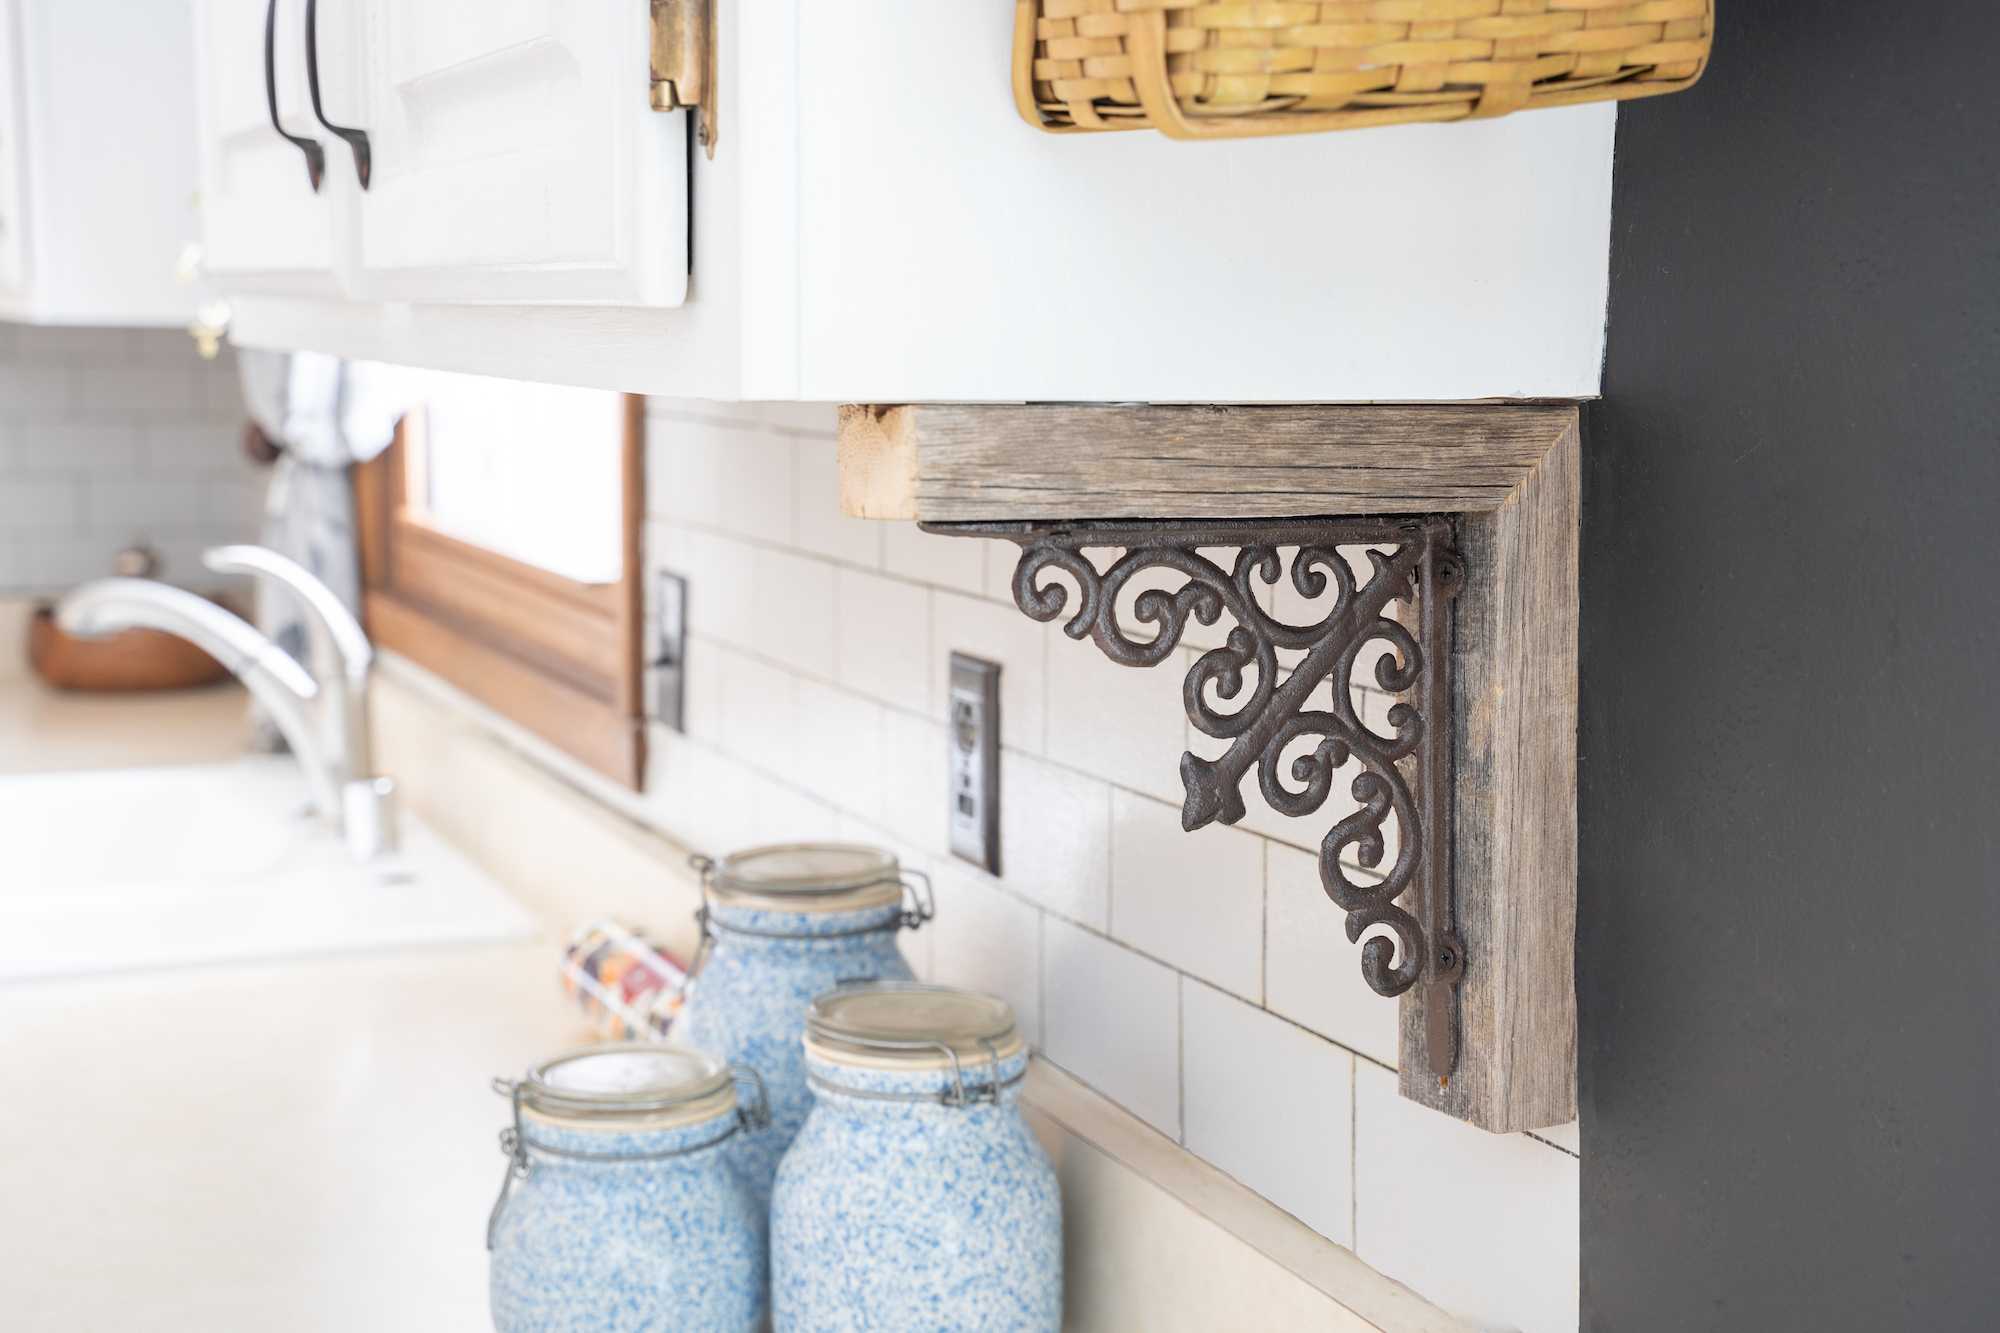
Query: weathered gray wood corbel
<point x="1476" y="508"/>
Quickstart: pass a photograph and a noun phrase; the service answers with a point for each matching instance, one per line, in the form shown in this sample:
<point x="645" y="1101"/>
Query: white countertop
<point x="301" y="1145"/>
<point x="297" y="1146"/>
<point x="44" y="730"/>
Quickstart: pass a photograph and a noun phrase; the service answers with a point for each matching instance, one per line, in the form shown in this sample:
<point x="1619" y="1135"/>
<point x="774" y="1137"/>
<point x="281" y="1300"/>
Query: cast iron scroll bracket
<point x="1262" y="710"/>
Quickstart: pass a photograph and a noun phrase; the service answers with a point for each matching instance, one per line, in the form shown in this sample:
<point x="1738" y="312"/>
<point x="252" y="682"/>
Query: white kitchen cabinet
<point x="516" y="157"/>
<point x="268" y="207"/>
<point x="512" y="154"/>
<point x="877" y="224"/>
<point x="97" y="162"/>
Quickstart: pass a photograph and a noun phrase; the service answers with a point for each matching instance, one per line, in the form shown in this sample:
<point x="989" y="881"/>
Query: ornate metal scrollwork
<point x="1240" y="692"/>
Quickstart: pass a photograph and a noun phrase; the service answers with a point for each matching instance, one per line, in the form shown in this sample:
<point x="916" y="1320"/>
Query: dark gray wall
<point x="1786" y="956"/>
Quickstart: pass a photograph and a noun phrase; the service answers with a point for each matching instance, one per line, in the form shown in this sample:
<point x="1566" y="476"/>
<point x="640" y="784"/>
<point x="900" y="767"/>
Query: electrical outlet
<point x="972" y="738"/>
<point x="670" y="657"/>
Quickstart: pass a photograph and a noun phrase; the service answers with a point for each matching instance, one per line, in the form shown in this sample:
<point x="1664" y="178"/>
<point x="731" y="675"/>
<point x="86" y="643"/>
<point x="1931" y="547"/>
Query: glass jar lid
<point x="809" y="877"/>
<point x="628" y="1084"/>
<point x="910" y="1025"/>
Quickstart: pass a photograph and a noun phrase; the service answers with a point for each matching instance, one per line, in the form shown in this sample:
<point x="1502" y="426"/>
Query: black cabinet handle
<point x="356" y="139"/>
<point x="315" y="159"/>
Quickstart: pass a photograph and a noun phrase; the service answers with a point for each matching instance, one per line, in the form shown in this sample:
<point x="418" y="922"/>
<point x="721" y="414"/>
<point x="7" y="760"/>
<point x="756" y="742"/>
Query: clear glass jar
<point x="781" y="924"/>
<point x="915" y="1195"/>
<point x="620" y="1207"/>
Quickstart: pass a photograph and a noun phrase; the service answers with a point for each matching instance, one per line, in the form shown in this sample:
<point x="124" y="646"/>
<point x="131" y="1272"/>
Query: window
<point x="500" y="549"/>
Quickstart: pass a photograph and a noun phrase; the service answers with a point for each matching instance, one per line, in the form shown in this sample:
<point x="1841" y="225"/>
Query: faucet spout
<point x="339" y="646"/>
<point x="343" y="659"/>
<point x="286" y="689"/>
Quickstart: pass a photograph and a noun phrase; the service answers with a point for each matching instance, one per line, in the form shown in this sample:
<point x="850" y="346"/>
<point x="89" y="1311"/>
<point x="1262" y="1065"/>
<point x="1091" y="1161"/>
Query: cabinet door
<point x="516" y="156"/>
<point x="13" y="163"/>
<point x="263" y="224"/>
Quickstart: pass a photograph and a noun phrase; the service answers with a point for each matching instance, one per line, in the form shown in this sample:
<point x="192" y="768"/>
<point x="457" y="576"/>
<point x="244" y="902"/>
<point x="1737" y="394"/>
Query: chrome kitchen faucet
<point x="322" y="714"/>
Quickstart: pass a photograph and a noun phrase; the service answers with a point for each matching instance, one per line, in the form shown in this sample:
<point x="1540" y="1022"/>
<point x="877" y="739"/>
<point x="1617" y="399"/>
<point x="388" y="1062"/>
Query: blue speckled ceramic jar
<point x="915" y="1196"/>
<point x="621" y="1208"/>
<point x="781" y="924"/>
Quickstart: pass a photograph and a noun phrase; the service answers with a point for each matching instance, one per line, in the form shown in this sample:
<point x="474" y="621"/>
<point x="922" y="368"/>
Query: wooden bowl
<point x="129" y="660"/>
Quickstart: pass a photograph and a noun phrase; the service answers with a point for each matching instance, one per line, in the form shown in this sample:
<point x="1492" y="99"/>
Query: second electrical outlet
<point x="972" y="739"/>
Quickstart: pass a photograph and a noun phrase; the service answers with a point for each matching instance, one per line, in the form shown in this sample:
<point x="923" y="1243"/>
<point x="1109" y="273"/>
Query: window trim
<point x="561" y="658"/>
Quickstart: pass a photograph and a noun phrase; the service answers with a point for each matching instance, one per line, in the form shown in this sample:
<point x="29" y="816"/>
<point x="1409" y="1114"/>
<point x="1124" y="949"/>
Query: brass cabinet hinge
<point x="683" y="62"/>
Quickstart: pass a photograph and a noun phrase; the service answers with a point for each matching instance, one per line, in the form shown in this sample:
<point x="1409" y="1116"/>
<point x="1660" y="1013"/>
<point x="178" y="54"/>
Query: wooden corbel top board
<point x="967" y="462"/>
<point x="1507" y="477"/>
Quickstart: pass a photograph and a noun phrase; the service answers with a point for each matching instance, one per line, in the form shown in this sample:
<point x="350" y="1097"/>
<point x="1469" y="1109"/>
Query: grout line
<point x="1180" y="1057"/>
<point x="1353" y="1152"/>
<point x="1264" y="924"/>
<point x="1042" y="977"/>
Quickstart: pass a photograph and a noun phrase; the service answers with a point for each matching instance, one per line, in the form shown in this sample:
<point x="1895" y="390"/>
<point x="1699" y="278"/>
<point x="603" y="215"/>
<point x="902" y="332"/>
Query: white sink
<point x="119" y="870"/>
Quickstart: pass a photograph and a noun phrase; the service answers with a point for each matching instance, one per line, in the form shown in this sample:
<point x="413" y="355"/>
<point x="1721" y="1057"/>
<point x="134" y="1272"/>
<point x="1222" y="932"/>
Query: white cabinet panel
<point x="947" y="250"/>
<point x="263" y="223"/>
<point x="97" y="162"/>
<point x="516" y="156"/>
<point x="13" y="219"/>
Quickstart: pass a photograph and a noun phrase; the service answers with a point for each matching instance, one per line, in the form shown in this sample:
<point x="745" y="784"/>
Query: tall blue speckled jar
<point x="782" y="924"/>
<point x="915" y="1196"/>
<point x="620" y="1208"/>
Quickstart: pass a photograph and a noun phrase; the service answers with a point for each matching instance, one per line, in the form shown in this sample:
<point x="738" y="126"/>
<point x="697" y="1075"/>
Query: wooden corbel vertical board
<point x="1509" y="475"/>
<point x="1514" y="810"/>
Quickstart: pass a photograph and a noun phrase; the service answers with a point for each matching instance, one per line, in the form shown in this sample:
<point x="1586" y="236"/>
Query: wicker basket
<point x="1218" y="69"/>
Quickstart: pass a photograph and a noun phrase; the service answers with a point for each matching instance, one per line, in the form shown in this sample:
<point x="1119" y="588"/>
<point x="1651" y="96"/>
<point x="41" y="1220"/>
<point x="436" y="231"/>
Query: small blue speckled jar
<point x="781" y="924"/>
<point x="915" y="1196"/>
<point x="620" y="1208"/>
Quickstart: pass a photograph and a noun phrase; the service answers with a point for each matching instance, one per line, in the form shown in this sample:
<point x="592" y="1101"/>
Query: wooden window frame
<point x="559" y="657"/>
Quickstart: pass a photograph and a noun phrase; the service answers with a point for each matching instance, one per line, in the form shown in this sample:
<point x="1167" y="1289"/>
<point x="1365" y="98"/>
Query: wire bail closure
<point x="957" y="1093"/>
<point x="515" y="1143"/>
<point x="919" y="898"/>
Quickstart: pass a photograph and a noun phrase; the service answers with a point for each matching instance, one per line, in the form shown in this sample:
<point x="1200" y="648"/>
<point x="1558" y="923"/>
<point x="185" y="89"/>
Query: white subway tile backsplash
<point x="913" y="780"/>
<point x="1112" y="1018"/>
<point x="35" y="393"/>
<point x="703" y="699"/>
<point x="819" y="526"/>
<point x="41" y="504"/>
<point x="837" y="753"/>
<point x="55" y="344"/>
<point x="1055" y="838"/>
<point x="733" y="478"/>
<point x="759" y="709"/>
<point x="1202" y="980"/>
<point x="883" y="639"/>
<point x="985" y="940"/>
<point x="1504" y="1254"/>
<point x="1195" y="900"/>
<point x="1001" y="559"/>
<point x="1271" y="1105"/>
<point x="135" y="393"/>
<point x="721" y="576"/>
<point x="700" y="796"/>
<point x="131" y="506"/>
<point x="948" y="562"/>
<point x="785" y="814"/>
<point x="1123" y="724"/>
<point x="77" y="450"/>
<point x="795" y="612"/>
<point x="998" y="634"/>
<point x="1312" y="975"/>
<point x="208" y="445"/>
<point x="108" y="436"/>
